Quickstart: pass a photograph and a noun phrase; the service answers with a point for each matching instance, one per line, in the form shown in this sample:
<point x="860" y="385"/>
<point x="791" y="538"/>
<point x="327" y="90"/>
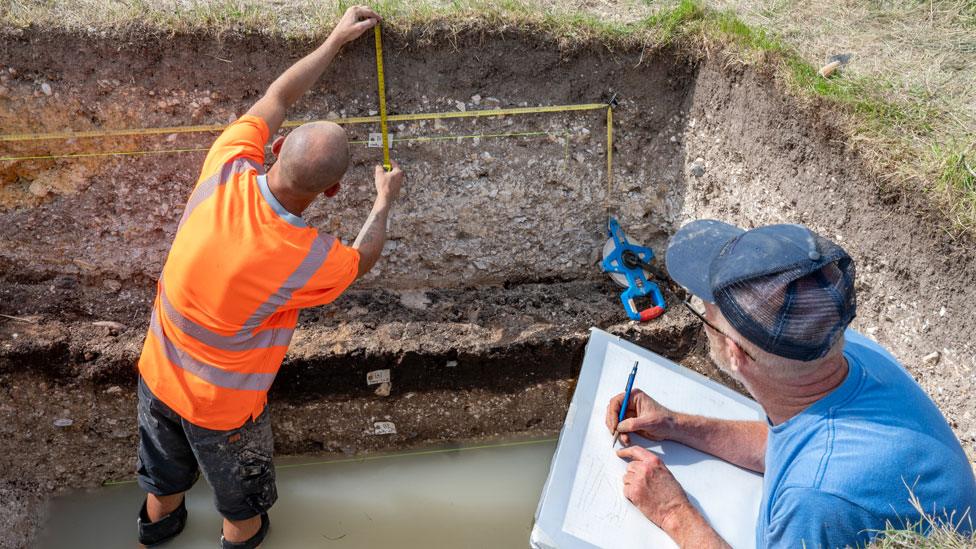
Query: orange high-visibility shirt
<point x="240" y="268"/>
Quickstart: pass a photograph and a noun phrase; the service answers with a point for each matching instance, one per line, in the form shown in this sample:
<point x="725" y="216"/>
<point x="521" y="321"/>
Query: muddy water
<point x="474" y="497"/>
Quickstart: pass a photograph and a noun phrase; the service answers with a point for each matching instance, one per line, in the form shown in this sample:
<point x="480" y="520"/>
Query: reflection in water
<point x="479" y="497"/>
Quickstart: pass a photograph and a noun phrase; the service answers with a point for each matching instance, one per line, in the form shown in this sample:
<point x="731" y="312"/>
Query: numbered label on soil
<point x="384" y="428"/>
<point x="375" y="140"/>
<point x="377" y="376"/>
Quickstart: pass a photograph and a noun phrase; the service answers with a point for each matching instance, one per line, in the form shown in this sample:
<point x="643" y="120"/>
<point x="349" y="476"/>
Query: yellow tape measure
<point x="413" y="117"/>
<point x="382" y="86"/>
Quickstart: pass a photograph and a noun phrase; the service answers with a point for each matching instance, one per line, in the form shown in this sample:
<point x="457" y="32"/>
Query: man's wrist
<point x="677" y="427"/>
<point x="688" y="528"/>
<point x="333" y="43"/>
<point x="383" y="203"/>
<point x="678" y="517"/>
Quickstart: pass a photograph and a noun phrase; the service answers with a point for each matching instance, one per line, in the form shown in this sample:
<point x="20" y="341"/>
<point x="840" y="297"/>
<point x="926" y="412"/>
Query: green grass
<point x="903" y="131"/>
<point x="673" y="23"/>
<point x="955" y="168"/>
<point x="728" y="24"/>
<point x="864" y="96"/>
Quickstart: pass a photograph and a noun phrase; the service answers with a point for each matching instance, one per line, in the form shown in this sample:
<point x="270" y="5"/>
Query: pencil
<point x="623" y="405"/>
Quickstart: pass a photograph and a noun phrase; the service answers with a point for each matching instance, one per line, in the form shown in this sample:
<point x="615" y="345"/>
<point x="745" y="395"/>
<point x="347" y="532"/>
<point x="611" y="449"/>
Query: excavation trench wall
<point x="476" y="210"/>
<point x="482" y="302"/>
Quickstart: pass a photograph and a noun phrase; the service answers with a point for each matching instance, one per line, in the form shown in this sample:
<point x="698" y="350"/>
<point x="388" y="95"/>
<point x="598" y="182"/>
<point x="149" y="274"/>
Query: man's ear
<point x="738" y="359"/>
<point x="276" y="145"/>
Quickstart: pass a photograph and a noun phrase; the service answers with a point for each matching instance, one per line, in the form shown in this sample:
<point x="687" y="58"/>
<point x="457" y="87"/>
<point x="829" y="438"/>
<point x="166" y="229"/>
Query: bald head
<point x="313" y="157"/>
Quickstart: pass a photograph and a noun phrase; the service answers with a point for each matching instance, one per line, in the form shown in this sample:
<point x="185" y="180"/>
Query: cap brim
<point x="691" y="251"/>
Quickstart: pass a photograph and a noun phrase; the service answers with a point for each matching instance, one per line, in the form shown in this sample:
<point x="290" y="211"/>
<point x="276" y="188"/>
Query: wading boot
<point x="164" y="529"/>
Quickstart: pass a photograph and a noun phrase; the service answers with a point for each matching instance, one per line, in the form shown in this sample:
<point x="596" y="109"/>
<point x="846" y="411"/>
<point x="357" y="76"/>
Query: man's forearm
<point x="372" y="237"/>
<point x="300" y="77"/>
<point x="740" y="442"/>
<point x="688" y="528"/>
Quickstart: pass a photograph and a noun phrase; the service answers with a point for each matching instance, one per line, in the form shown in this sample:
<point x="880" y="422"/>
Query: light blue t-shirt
<point x="839" y="470"/>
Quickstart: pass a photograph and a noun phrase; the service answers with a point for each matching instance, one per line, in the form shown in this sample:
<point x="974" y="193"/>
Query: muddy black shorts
<point x="236" y="463"/>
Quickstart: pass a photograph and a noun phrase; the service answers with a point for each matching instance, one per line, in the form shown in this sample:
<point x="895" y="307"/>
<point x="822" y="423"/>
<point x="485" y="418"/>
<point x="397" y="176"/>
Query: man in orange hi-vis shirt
<point x="242" y="264"/>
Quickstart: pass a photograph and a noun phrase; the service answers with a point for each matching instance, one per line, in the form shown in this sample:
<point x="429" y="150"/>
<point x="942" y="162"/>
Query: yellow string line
<point x="167" y="151"/>
<point x="365" y="459"/>
<point x="381" y="82"/>
<point x="472" y="136"/>
<point x="110" y="153"/>
<point x="295" y="123"/>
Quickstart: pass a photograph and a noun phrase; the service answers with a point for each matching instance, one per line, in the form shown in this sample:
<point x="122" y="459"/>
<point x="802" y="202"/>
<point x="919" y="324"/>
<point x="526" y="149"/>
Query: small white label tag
<point x="377" y="376"/>
<point x="384" y="428"/>
<point x="376" y="140"/>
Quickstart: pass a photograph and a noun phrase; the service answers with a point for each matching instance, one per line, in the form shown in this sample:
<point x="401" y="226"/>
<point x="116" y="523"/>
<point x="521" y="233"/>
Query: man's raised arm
<point x="300" y="77"/>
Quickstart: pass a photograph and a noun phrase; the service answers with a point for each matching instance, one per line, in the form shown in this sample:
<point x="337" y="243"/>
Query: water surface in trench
<point x="483" y="496"/>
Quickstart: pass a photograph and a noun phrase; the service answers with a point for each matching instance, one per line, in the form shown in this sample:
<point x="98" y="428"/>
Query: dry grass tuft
<point x="929" y="532"/>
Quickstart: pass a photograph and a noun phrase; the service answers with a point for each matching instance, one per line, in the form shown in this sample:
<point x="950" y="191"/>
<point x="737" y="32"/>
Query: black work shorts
<point x="236" y="463"/>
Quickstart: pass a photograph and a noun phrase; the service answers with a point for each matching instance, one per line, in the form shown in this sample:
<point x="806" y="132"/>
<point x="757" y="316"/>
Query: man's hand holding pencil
<point x="643" y="416"/>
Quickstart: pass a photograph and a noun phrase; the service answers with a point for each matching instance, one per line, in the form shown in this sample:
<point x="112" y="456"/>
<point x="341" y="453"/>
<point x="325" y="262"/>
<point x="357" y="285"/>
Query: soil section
<point x="476" y="210"/>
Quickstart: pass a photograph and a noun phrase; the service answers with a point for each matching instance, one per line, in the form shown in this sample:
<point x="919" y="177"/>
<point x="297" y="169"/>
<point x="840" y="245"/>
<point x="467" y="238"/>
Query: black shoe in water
<point x="164" y="529"/>
<point x="255" y="540"/>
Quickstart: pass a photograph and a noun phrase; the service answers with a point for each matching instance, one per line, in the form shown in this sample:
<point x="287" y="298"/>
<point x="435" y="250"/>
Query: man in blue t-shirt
<point x="851" y="443"/>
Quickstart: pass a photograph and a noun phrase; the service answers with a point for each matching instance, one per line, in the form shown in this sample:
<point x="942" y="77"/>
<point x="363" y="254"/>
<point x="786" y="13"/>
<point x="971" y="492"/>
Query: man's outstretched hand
<point x="644" y="416"/>
<point x="356" y="21"/>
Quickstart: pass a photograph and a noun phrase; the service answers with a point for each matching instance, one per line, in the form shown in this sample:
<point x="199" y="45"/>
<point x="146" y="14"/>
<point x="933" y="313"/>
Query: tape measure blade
<point x="381" y="83"/>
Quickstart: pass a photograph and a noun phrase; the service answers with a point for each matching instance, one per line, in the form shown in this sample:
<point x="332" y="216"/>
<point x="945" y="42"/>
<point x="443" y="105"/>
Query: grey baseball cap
<point x="785" y="288"/>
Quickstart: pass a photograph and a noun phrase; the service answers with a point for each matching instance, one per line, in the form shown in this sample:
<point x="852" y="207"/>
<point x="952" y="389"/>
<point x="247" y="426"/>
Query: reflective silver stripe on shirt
<point x="313" y="261"/>
<point x="208" y="187"/>
<point x="208" y="372"/>
<point x="243" y="340"/>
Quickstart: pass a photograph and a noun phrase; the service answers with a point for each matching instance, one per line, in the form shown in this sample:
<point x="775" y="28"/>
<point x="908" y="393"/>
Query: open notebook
<point x="582" y="503"/>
